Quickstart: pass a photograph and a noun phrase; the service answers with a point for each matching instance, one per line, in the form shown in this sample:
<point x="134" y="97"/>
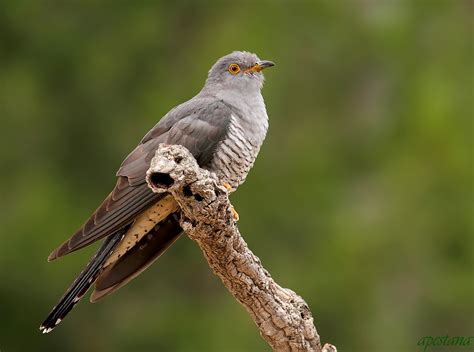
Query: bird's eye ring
<point x="233" y="68"/>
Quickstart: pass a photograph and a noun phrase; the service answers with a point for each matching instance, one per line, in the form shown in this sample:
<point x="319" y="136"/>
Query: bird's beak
<point x="259" y="66"/>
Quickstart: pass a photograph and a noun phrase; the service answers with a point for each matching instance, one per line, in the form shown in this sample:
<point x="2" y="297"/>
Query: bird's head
<point x="239" y="70"/>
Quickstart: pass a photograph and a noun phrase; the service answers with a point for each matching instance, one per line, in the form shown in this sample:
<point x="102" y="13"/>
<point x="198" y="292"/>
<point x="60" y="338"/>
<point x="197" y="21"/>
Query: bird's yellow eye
<point x="233" y="68"/>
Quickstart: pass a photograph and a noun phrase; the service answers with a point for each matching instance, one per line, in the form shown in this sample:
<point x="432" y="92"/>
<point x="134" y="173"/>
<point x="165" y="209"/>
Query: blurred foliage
<point x="360" y="201"/>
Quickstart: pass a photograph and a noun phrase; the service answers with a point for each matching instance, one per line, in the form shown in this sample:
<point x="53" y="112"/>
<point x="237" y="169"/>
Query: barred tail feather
<point x="82" y="283"/>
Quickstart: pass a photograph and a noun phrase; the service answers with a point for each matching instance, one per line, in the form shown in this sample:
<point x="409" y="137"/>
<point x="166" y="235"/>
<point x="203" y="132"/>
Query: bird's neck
<point x="244" y="98"/>
<point x="252" y="114"/>
<point x="249" y="107"/>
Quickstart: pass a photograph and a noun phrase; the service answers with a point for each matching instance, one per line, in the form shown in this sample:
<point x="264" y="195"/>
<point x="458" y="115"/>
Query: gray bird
<point x="223" y="127"/>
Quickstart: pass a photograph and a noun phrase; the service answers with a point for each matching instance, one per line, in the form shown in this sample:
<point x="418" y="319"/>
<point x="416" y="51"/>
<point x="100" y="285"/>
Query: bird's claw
<point x="227" y="186"/>
<point x="235" y="215"/>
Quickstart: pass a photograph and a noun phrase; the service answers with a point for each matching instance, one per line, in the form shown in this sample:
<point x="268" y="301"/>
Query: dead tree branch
<point x="283" y="317"/>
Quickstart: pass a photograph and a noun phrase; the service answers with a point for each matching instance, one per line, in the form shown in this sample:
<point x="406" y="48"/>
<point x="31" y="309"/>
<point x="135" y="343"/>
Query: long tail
<point x="82" y="283"/>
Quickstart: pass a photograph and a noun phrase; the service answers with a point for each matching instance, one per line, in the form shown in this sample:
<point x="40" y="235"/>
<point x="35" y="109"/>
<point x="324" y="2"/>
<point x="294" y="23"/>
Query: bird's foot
<point x="235" y="215"/>
<point x="227" y="186"/>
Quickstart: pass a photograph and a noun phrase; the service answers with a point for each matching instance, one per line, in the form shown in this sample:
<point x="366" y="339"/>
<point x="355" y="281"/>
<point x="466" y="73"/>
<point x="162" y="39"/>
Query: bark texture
<point x="283" y="317"/>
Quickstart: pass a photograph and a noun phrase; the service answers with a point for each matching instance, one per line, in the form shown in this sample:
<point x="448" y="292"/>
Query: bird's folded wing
<point x="119" y="209"/>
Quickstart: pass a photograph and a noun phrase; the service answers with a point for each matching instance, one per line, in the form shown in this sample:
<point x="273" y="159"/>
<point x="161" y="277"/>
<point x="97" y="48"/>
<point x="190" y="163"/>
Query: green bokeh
<point x="360" y="201"/>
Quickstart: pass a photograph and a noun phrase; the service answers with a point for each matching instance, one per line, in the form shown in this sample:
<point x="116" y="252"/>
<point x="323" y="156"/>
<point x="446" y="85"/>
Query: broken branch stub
<point x="283" y="317"/>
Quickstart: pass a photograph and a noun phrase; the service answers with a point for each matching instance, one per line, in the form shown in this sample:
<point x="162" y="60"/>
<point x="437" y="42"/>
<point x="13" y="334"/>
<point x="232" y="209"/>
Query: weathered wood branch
<point x="283" y="317"/>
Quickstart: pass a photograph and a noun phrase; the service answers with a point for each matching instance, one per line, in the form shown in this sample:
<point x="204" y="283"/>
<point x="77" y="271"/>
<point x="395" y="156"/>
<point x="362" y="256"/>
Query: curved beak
<point x="259" y="66"/>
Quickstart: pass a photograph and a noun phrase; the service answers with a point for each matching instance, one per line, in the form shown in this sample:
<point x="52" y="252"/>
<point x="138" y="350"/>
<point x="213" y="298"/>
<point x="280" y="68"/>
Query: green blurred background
<point x="360" y="201"/>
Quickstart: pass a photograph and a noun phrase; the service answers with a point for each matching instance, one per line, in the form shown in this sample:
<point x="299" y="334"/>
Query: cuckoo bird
<point x="223" y="127"/>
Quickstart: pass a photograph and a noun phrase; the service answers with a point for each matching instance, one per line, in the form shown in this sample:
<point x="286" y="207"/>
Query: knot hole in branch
<point x="161" y="180"/>
<point x="188" y="193"/>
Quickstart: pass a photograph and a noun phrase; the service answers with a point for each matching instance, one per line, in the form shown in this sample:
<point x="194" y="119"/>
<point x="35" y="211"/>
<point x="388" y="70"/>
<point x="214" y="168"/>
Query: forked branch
<point x="283" y="317"/>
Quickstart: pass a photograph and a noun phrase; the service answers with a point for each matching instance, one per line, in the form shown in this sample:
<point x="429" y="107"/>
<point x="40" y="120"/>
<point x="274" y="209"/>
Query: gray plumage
<point x="223" y="126"/>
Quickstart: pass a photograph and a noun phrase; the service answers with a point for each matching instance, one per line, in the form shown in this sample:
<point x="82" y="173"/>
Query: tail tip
<point x="45" y="330"/>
